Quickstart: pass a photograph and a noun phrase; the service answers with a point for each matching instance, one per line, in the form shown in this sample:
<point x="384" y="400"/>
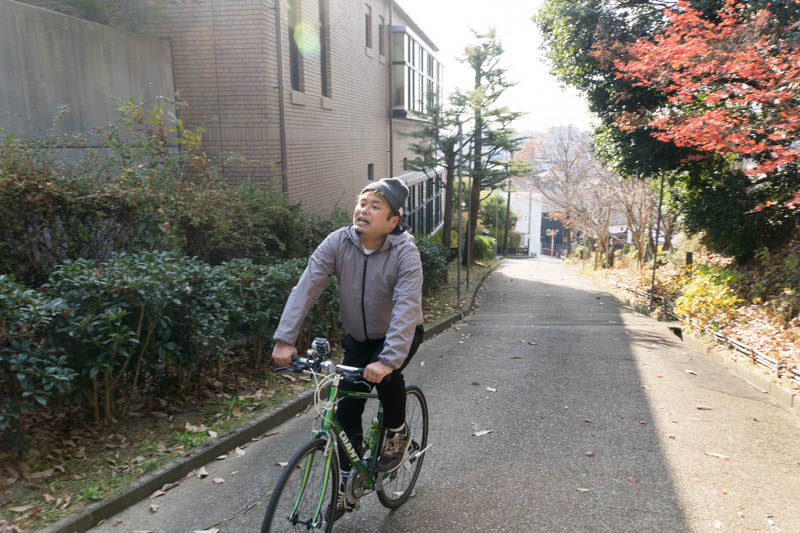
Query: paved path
<point x="575" y="372"/>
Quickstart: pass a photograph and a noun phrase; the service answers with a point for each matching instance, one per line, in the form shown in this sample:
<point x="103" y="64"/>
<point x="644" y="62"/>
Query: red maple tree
<point x="733" y="85"/>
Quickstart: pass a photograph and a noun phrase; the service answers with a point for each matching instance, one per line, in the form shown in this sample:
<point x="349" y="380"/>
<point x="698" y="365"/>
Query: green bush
<point x="259" y="292"/>
<point x="709" y="296"/>
<point x="115" y="198"/>
<point x="31" y="371"/>
<point x="49" y="213"/>
<point x="223" y="223"/>
<point x="484" y="248"/>
<point x="135" y="315"/>
<point x="434" y="263"/>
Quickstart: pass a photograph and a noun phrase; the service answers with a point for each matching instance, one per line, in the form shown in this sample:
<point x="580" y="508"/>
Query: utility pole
<point x="530" y="220"/>
<point x="460" y="192"/>
<point x="508" y="212"/>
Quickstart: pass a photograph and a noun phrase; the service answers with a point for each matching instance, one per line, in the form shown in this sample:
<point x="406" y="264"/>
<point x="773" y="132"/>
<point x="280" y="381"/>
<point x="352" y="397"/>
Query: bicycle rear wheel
<point x="298" y="494"/>
<point x="397" y="486"/>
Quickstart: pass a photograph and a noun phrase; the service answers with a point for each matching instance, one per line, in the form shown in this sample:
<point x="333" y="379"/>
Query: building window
<point x="295" y="57"/>
<point x="325" y="48"/>
<point x="416" y="76"/>
<point x="368" y="23"/>
<point x="371" y="171"/>
<point x="381" y="37"/>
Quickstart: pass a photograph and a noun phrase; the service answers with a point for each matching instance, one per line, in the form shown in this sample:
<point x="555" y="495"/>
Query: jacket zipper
<point x="363" y="293"/>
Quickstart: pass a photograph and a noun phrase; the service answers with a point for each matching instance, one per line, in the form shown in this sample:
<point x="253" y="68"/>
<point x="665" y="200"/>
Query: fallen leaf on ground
<point x="670" y="436"/>
<point x="212" y="434"/>
<point x="169" y="486"/>
<point x="239" y="452"/>
<point x="490" y="389"/>
<point x="191" y="428"/>
<point x="476" y="383"/>
<point x="21" y="509"/>
<point x="589" y="454"/>
<point x="47" y="498"/>
<point x="202" y="472"/>
<point x="692" y="372"/>
<point x="422" y="363"/>
<point x="582" y="490"/>
<point x="482" y="432"/>
<point x="214" y="530"/>
<point x="153" y="508"/>
<point x="282" y="463"/>
<point x="587" y="420"/>
<point x="719" y="456"/>
<point x="219" y="480"/>
<point x="156" y="494"/>
<point x="633" y="480"/>
<point x="643" y="422"/>
<point x="516" y="357"/>
<point x="221" y="457"/>
<point x="703" y="408"/>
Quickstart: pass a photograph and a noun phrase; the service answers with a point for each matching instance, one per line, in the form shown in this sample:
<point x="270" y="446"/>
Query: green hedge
<point x="484" y="247"/>
<point x="434" y="263"/>
<point x="111" y="330"/>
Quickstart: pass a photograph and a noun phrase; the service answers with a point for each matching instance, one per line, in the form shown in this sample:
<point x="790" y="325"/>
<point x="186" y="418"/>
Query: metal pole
<point x="496" y="219"/>
<point x="508" y="215"/>
<point x="460" y="192"/>
<point x="655" y="245"/>
<point x="281" y="103"/>
<point x="530" y="217"/>
<point x="391" y="73"/>
<point x="469" y="220"/>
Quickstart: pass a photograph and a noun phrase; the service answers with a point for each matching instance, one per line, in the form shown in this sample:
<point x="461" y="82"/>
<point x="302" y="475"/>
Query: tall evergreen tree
<point x="493" y="139"/>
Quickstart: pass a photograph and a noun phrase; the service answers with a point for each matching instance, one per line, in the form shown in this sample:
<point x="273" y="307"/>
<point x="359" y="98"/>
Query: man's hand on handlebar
<point x="375" y="372"/>
<point x="282" y="353"/>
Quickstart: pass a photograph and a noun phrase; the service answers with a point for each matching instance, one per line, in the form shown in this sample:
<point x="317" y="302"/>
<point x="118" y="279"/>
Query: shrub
<point x="134" y="315"/>
<point x="223" y="223"/>
<point x="49" y="213"/>
<point x="434" y="263"/>
<point x="259" y="293"/>
<point x="31" y="371"/>
<point x="484" y="247"/>
<point x="709" y="296"/>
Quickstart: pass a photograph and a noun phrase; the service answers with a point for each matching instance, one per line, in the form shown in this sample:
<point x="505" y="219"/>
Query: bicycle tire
<point x="278" y="517"/>
<point x="397" y="486"/>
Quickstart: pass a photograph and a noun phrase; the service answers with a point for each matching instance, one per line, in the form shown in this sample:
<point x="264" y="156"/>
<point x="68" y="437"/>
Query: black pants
<point x="391" y="390"/>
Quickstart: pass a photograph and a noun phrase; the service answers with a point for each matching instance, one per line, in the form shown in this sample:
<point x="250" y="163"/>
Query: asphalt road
<point x="574" y="372"/>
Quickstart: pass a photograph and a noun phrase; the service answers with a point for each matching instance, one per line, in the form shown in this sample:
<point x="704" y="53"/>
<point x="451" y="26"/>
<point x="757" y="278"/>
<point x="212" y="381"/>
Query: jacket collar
<point x="389" y="242"/>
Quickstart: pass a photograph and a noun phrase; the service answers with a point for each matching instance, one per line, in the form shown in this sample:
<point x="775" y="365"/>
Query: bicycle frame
<point x="331" y="429"/>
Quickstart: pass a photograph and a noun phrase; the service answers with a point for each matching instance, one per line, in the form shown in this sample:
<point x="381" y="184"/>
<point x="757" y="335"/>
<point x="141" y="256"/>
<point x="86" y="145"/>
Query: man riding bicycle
<point x="380" y="297"/>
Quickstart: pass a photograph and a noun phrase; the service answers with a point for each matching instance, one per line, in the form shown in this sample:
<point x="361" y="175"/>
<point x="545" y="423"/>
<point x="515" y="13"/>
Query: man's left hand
<point x="375" y="372"/>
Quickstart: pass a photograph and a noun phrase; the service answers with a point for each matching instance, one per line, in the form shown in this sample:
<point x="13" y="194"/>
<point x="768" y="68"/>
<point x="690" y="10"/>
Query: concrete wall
<point x="48" y="60"/>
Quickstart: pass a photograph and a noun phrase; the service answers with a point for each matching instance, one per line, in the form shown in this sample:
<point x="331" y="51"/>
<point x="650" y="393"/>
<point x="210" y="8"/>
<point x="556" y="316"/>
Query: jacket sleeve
<point x="407" y="309"/>
<point x="314" y="280"/>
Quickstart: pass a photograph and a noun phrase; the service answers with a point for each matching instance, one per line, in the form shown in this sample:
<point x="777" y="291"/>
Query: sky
<point x="539" y="94"/>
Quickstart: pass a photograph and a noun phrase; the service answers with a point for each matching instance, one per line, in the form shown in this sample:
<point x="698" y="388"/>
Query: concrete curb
<point x="207" y="452"/>
<point x="468" y="306"/>
<point x="749" y="372"/>
<point x="767" y="384"/>
<point x="176" y="469"/>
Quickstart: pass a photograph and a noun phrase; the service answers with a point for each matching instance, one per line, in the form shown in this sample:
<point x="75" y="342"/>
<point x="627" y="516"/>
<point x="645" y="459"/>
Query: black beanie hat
<point x="394" y="190"/>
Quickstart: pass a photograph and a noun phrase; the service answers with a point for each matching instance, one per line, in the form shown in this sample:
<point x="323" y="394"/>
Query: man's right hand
<point x="282" y="353"/>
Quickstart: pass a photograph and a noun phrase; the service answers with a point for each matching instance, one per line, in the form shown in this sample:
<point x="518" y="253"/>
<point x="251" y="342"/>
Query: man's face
<point x="372" y="217"/>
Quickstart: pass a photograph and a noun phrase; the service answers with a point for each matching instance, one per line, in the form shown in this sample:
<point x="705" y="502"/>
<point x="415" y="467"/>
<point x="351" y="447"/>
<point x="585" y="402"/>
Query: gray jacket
<point x="380" y="294"/>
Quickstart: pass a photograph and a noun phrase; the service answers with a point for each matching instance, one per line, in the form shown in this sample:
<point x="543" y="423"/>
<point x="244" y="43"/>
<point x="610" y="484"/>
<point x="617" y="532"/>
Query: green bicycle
<point x="305" y="495"/>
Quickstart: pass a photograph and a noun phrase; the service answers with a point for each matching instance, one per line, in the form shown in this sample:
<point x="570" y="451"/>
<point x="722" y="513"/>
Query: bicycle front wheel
<point x="398" y="485"/>
<point x="305" y="496"/>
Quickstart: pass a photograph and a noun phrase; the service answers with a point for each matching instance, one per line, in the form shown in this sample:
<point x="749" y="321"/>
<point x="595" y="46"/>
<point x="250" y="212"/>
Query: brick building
<point x="302" y="89"/>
